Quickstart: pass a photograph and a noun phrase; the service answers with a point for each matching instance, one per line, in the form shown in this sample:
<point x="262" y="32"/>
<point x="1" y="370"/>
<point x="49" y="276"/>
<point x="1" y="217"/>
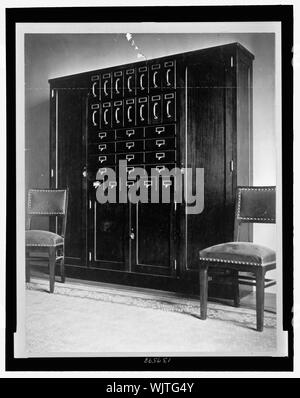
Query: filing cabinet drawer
<point x="106" y="115"/>
<point x="103" y="160"/>
<point x="118" y="84"/>
<point x="106" y="86"/>
<point x="160" y="144"/>
<point x="129" y="112"/>
<point x="169" y="108"/>
<point x="168" y="79"/>
<point x="95" y="87"/>
<point x="132" y="169"/>
<point x="161" y="169"/>
<point x="160" y="131"/>
<point x="142" y="111"/>
<point x="155" y="109"/>
<point x="130" y="146"/>
<point x="142" y="80"/>
<point x="130" y="82"/>
<point x="130" y="134"/>
<point x="155" y="79"/>
<point x="102" y="148"/>
<point x="104" y="136"/>
<point x="94" y="116"/>
<point x="117" y="116"/>
<point x="160" y="157"/>
<point x="131" y="158"/>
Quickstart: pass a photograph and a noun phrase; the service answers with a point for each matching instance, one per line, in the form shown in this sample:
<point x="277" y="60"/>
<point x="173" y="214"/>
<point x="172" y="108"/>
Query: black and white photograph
<point x="149" y="190"/>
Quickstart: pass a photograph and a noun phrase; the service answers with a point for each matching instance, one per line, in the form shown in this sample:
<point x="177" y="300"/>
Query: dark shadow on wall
<point x="37" y="152"/>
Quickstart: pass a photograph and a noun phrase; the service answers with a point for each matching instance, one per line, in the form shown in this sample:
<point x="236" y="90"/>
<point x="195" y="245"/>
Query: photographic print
<point x="150" y="196"/>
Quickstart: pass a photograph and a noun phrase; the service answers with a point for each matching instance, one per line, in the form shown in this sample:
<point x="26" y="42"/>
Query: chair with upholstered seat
<point x="253" y="205"/>
<point x="49" y="203"/>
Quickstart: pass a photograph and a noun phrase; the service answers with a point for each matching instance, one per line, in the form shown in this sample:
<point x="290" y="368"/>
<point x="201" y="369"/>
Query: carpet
<point x="78" y="319"/>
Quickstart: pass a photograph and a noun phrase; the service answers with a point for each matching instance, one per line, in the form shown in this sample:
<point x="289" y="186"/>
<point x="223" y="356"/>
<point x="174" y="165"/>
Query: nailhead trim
<point x="40" y="245"/>
<point x="239" y="205"/>
<point x="42" y="212"/>
<point x="220" y="260"/>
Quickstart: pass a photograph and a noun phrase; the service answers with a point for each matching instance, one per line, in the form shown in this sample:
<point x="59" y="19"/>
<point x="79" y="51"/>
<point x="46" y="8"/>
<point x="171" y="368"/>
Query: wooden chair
<point x="50" y="203"/>
<point x="253" y="205"/>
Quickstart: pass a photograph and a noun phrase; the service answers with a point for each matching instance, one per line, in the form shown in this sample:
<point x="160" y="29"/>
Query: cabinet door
<point x="153" y="238"/>
<point x="207" y="147"/>
<point x="109" y="236"/>
<point x="67" y="163"/>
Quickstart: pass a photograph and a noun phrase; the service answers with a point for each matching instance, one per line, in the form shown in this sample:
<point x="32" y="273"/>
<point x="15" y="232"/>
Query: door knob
<point x="84" y="172"/>
<point x="132" y="236"/>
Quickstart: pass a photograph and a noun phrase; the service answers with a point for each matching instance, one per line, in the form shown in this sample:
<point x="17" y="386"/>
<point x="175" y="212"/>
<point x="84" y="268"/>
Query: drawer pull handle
<point x="128" y="83"/>
<point x="117" y="85"/>
<point x="129" y="183"/>
<point x="102" y="159"/>
<point x="102" y="135"/>
<point x="129" y="169"/>
<point x="129" y="145"/>
<point x="160" y="168"/>
<point x="168" y="109"/>
<point x="141" y="112"/>
<point x="105" y="87"/>
<point x="148" y="183"/>
<point x="102" y="171"/>
<point x="168" y="77"/>
<point x="93" y="118"/>
<point x="160" y="142"/>
<point x="154" y="79"/>
<point x="129" y="157"/>
<point x="160" y="155"/>
<point x="102" y="147"/>
<point x="112" y="184"/>
<point x="154" y="110"/>
<point x="116" y="115"/>
<point x="104" y="116"/>
<point x="96" y="184"/>
<point x="93" y="89"/>
<point x="141" y="81"/>
<point x="167" y="183"/>
<point x="129" y="132"/>
<point x="128" y="113"/>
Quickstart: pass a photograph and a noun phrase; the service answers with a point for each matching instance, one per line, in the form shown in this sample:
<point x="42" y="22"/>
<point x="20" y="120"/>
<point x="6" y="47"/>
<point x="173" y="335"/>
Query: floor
<point x="57" y="324"/>
<point x="248" y="301"/>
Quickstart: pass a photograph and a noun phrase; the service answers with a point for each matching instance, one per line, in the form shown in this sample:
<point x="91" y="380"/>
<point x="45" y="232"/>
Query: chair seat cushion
<point x="42" y="238"/>
<point x="239" y="252"/>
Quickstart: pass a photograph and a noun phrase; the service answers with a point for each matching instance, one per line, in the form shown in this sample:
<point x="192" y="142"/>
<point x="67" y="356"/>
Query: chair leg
<point x="27" y="266"/>
<point x="203" y="291"/>
<point x="260" y="298"/>
<point x="62" y="270"/>
<point x="236" y="289"/>
<point x="52" y="262"/>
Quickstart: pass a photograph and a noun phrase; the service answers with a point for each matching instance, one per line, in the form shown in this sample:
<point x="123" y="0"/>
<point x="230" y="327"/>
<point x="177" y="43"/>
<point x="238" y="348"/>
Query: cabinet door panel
<point x="153" y="244"/>
<point x="109" y="241"/>
<point x="69" y="169"/>
<point x="205" y="141"/>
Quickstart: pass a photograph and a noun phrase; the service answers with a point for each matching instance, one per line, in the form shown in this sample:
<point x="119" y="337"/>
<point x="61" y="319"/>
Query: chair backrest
<point x="254" y="205"/>
<point x="48" y="202"/>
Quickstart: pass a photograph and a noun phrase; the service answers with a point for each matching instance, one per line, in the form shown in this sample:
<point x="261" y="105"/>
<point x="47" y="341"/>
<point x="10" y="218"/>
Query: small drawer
<point x="107" y="135"/>
<point x="160" y="131"/>
<point x="130" y="134"/>
<point x="160" y="169"/>
<point x="160" y="157"/>
<point x="160" y="144"/>
<point x="103" y="160"/>
<point x="106" y="147"/>
<point x="130" y="146"/>
<point x="131" y="158"/>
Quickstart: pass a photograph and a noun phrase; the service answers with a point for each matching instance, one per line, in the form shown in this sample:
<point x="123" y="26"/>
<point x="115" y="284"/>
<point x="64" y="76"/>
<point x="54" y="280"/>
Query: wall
<point x="53" y="55"/>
